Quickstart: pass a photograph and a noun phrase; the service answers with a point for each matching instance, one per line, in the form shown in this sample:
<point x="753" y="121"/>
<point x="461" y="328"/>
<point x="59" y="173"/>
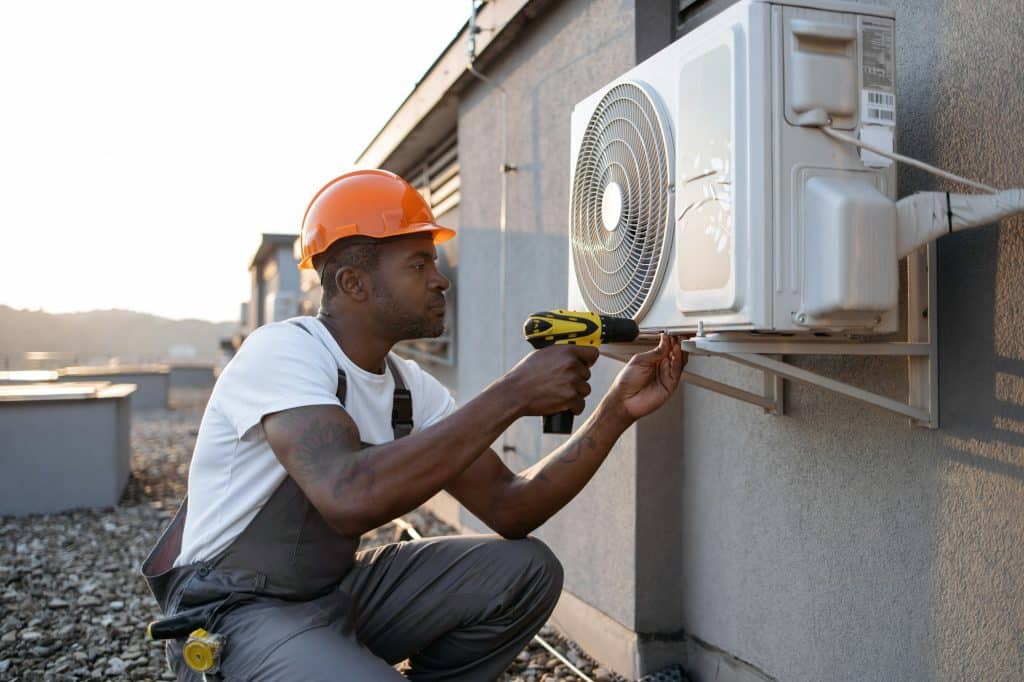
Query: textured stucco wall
<point x="564" y="55"/>
<point x="835" y="542"/>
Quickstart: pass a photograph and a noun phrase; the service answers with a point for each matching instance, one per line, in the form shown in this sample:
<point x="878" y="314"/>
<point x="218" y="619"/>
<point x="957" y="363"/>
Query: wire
<point x="906" y="159"/>
<point x="576" y="671"/>
<point x="408" y="528"/>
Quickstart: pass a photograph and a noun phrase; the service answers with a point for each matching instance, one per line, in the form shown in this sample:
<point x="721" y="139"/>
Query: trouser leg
<point x="273" y="640"/>
<point x="459" y="608"/>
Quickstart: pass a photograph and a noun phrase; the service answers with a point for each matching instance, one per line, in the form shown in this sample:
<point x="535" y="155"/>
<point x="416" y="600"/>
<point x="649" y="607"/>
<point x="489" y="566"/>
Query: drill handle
<point x="560" y="422"/>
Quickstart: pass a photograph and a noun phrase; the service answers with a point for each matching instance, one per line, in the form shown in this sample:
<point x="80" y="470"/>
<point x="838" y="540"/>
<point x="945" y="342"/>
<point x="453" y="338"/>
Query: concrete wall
<point x="835" y="542"/>
<point x="565" y="54"/>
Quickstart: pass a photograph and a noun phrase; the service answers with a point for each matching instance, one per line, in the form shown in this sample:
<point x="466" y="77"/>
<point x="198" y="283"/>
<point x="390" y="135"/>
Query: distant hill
<point x="99" y="335"/>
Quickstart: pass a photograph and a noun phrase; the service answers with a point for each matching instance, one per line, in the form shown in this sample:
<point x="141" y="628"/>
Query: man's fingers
<point x="588" y="355"/>
<point x="658" y="352"/>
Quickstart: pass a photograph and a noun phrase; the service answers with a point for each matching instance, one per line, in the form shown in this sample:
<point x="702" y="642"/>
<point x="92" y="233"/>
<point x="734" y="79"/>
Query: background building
<point x="833" y="543"/>
<point x="275" y="291"/>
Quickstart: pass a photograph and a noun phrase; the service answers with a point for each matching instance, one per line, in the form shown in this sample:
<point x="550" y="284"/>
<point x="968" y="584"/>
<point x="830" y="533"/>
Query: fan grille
<point x="621" y="204"/>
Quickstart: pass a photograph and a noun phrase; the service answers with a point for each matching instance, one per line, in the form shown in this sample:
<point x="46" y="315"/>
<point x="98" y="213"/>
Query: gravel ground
<point x="73" y="607"/>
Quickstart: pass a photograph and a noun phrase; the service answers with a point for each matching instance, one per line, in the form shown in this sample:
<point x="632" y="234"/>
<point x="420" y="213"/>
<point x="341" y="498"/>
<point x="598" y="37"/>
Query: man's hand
<point x="649" y="379"/>
<point x="552" y="379"/>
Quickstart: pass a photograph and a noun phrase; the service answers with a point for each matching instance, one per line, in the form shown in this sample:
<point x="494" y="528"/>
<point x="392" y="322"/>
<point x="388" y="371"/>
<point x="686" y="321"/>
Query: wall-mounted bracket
<point x="766" y="354"/>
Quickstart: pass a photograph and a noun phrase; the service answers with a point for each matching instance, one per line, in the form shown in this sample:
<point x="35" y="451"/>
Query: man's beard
<point x="401" y="324"/>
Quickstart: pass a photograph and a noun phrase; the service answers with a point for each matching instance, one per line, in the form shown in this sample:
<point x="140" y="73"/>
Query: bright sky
<point x="145" y="146"/>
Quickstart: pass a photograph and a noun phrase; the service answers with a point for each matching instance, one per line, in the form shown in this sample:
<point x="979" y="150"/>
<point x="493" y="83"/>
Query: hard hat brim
<point x="441" y="234"/>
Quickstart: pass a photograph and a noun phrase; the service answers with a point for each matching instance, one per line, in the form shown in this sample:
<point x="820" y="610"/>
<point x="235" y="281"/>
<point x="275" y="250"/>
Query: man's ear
<point x="352" y="282"/>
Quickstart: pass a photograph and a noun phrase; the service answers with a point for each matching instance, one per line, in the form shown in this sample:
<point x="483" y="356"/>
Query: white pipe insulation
<point x="926" y="216"/>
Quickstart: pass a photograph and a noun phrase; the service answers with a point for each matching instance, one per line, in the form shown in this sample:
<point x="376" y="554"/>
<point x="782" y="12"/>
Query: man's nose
<point x="442" y="282"/>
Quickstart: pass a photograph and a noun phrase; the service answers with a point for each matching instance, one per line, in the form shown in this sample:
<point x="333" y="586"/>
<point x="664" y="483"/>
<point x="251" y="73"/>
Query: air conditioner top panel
<point x="837" y="6"/>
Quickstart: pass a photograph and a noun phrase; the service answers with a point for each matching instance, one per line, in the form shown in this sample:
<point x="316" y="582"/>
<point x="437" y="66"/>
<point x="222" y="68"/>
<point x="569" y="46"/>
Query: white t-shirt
<point x="279" y="366"/>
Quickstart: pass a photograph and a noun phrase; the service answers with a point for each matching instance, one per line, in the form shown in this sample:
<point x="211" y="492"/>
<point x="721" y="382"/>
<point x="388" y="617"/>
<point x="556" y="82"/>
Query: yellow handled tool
<point x="202" y="649"/>
<point x="551" y="327"/>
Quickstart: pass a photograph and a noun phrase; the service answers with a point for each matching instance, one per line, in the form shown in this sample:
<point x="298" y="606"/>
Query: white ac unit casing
<point x="749" y="220"/>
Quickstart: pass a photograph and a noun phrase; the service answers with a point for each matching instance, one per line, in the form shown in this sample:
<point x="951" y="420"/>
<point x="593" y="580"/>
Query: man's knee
<point x="547" y="559"/>
<point x="541" y="562"/>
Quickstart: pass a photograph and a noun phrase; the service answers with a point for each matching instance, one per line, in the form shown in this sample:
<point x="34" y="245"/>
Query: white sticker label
<point x="881" y="138"/>
<point x="878" y="72"/>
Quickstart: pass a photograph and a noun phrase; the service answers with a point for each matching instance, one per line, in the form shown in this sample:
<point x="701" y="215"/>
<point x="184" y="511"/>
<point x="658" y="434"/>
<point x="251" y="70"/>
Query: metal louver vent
<point x="621" y="204"/>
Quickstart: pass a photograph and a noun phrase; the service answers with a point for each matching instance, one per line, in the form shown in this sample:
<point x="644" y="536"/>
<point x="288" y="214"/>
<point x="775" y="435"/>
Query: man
<point x="309" y="440"/>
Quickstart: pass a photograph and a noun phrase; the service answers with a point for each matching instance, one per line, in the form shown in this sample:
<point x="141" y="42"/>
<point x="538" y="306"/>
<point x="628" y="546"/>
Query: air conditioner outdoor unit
<point x="703" y="193"/>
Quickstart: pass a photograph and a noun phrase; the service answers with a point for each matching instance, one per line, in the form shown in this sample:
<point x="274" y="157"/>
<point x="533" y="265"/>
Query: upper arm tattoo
<point x="321" y="448"/>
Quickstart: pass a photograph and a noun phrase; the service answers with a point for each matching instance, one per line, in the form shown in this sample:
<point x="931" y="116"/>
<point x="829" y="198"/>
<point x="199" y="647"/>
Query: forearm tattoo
<point x="575" y="451"/>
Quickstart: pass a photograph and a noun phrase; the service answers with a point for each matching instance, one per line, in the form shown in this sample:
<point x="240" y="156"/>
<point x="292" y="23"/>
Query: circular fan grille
<point x="621" y="204"/>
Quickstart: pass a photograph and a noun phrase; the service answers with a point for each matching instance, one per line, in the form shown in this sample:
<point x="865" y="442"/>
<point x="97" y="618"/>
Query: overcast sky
<point x="145" y="146"/>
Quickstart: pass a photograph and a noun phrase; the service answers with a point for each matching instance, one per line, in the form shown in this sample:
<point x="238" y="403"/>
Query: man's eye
<point x="420" y="266"/>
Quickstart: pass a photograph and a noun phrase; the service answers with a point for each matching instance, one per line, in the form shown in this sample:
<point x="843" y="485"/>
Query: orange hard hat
<point x="369" y="203"/>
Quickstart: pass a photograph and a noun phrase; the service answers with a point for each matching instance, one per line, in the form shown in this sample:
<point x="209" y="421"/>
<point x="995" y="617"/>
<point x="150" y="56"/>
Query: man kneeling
<point x="316" y="433"/>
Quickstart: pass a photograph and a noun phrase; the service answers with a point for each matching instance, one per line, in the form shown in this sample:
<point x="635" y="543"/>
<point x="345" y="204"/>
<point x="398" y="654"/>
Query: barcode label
<point x="882" y="98"/>
<point x="878" y="107"/>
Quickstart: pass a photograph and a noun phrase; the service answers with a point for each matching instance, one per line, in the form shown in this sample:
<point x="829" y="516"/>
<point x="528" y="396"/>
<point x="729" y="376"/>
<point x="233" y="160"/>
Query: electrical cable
<point x="576" y="671"/>
<point x="835" y="134"/>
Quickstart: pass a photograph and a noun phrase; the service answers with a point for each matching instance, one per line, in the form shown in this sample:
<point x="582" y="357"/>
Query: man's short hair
<point x="355" y="252"/>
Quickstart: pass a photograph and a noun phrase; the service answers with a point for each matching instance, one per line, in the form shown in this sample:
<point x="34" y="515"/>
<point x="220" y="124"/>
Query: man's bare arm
<point x="514" y="505"/>
<point x="359" y="489"/>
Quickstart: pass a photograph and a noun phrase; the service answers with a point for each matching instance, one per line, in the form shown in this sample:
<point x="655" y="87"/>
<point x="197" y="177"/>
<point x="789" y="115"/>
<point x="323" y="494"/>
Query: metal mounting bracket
<point x="766" y="354"/>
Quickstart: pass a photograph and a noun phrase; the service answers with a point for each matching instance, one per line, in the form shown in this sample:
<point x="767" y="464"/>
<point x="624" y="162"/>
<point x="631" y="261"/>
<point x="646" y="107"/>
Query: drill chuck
<point x="618" y="329"/>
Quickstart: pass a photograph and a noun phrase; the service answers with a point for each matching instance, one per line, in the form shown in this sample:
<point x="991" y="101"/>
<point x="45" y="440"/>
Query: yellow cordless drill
<point x="551" y="327"/>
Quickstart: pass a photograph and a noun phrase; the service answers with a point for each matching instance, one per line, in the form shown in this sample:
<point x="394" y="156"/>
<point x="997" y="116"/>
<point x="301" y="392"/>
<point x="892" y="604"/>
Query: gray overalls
<point x="296" y="603"/>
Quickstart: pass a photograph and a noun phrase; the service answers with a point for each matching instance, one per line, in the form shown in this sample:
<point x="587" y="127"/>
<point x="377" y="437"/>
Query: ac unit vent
<point x="621" y="203"/>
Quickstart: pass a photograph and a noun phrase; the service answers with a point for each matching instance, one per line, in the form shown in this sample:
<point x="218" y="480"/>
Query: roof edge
<point x="446" y="71"/>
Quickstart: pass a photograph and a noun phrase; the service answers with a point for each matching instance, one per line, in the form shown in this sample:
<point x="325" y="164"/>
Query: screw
<point x="700" y="328"/>
<point x="801" y="318"/>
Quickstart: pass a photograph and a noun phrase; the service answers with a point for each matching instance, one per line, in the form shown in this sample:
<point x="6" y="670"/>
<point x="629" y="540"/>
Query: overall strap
<point x="401" y="402"/>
